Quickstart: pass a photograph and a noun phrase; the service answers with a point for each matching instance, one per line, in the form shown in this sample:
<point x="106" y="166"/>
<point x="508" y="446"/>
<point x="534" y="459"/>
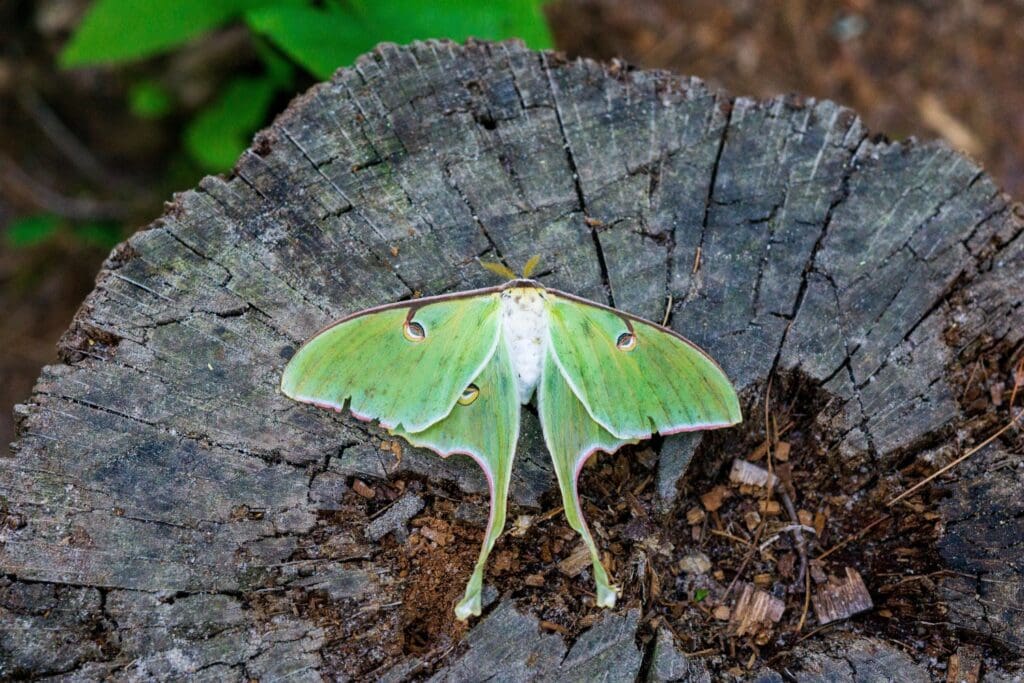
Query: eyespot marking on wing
<point x="413" y="331"/>
<point x="469" y="394"/>
<point x="626" y="341"/>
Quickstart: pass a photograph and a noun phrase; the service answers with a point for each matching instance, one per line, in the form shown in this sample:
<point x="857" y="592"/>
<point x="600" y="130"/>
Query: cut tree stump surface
<point x="161" y="490"/>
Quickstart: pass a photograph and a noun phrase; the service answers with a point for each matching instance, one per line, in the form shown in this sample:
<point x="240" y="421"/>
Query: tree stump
<point x="167" y="513"/>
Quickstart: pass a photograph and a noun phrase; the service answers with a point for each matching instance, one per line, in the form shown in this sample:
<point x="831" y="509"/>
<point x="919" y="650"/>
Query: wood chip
<point x="754" y="609"/>
<point x="762" y="580"/>
<point x="996" y="391"/>
<point x="759" y="452"/>
<point x="805" y="518"/>
<point x="552" y="626"/>
<point x="535" y="580"/>
<point x="819" y="524"/>
<point x="964" y="666"/>
<point x="362" y="489"/>
<point x="695" y="515"/>
<point x="748" y="473"/>
<point x="752" y="519"/>
<point x="769" y="507"/>
<point x="782" y="451"/>
<point x="721" y="613"/>
<point x="712" y="500"/>
<point x="577" y="561"/>
<point x="694" y="563"/>
<point x="840" y="599"/>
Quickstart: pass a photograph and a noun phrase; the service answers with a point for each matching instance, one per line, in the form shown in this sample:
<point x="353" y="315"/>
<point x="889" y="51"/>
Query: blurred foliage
<point x="38" y="229"/>
<point x="317" y="37"/>
<point x="29" y="231"/>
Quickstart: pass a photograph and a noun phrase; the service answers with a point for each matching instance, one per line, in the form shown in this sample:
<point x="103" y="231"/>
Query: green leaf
<point x="323" y="40"/>
<point x="149" y="100"/>
<point x="402" y="21"/>
<point x="319" y="41"/>
<point x="122" y="30"/>
<point x="31" y="230"/>
<point x="219" y="134"/>
<point x="700" y="594"/>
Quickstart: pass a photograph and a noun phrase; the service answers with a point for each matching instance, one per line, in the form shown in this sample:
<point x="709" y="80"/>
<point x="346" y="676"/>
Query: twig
<point x="801" y="544"/>
<point x="807" y="602"/>
<point x="726" y="534"/>
<point x="856" y="536"/>
<point x="1018" y="381"/>
<point x="970" y="379"/>
<point x="943" y="470"/>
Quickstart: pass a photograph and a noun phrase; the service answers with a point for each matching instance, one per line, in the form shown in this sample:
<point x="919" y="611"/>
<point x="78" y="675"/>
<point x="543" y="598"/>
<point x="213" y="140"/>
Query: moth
<point x="450" y="373"/>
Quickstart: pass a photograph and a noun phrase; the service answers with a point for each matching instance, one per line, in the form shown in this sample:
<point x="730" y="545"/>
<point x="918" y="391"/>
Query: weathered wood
<point x="167" y="513"/>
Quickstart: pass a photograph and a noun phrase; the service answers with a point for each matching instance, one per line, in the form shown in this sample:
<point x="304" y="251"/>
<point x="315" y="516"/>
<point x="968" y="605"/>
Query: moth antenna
<point x="499" y="269"/>
<point x="531" y="266"/>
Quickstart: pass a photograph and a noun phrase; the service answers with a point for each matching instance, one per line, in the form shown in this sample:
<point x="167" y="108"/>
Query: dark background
<point x="73" y="148"/>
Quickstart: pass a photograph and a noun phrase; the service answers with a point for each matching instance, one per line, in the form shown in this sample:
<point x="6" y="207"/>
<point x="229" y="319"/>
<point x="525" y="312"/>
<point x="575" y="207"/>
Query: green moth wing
<point x="572" y="436"/>
<point x="484" y="424"/>
<point x="448" y="373"/>
<point x="634" y="377"/>
<point x="405" y="365"/>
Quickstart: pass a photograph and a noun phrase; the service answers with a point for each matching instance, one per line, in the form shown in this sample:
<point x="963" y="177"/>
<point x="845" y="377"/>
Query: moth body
<point x="524" y="326"/>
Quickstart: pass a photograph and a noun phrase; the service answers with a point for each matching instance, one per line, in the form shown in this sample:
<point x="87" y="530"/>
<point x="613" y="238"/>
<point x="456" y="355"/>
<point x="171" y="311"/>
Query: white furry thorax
<point x="524" y="327"/>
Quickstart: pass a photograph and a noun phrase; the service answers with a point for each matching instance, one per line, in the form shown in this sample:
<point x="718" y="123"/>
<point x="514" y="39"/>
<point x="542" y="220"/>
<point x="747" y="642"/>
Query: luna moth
<point x="450" y="373"/>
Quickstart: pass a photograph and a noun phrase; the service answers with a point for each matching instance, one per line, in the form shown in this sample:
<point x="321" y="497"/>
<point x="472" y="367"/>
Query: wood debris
<point x="535" y="580"/>
<point x="752" y="519"/>
<point x="694" y="563"/>
<point x="712" y="500"/>
<point x="964" y="666"/>
<point x="695" y="515"/>
<point x="754" y="610"/>
<point x="521" y="525"/>
<point x="782" y="451"/>
<point x="748" y="473"/>
<point x="362" y="489"/>
<point x="577" y="561"/>
<point x="839" y="599"/>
